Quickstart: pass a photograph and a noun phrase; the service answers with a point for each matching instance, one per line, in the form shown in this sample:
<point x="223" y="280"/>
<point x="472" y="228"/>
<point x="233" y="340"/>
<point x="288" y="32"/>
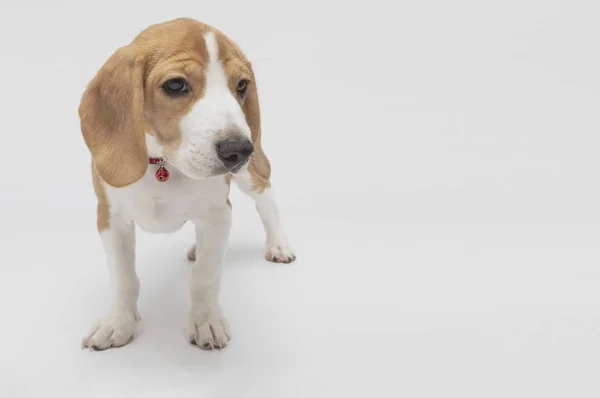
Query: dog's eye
<point x="242" y="87"/>
<point x="176" y="86"/>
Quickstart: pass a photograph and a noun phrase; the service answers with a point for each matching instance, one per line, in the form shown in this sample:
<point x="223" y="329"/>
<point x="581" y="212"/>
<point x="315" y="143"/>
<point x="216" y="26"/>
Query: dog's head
<point x="182" y="82"/>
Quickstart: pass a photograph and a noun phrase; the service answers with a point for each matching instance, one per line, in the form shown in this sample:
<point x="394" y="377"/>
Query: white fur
<point x="207" y="327"/>
<point x="164" y="207"/>
<point x="118" y="327"/>
<point x="214" y="117"/>
<point x="278" y="247"/>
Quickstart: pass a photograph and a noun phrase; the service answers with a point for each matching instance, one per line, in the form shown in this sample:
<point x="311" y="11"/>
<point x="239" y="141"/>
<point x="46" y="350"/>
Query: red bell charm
<point x="162" y="174"/>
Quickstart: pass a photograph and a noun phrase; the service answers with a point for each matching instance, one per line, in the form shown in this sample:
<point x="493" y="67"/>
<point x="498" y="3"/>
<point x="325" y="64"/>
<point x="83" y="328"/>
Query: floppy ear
<point x="112" y="119"/>
<point x="259" y="166"/>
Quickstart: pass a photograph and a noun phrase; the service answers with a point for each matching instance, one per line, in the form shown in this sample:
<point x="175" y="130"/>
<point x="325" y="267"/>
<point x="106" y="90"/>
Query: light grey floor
<point x="436" y="167"/>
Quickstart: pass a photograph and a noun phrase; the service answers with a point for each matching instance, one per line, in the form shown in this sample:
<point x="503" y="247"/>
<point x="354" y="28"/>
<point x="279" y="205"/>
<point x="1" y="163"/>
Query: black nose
<point x="234" y="152"/>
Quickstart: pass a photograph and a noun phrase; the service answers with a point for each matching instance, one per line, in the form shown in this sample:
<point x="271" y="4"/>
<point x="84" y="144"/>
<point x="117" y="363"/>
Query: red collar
<point x="162" y="174"/>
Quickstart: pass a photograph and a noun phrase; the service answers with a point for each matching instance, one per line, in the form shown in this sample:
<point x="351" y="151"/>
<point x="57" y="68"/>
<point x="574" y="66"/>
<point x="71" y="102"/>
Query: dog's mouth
<point x="197" y="172"/>
<point x="240" y="167"/>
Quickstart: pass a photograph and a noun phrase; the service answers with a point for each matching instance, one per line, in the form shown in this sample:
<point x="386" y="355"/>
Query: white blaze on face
<point x="213" y="118"/>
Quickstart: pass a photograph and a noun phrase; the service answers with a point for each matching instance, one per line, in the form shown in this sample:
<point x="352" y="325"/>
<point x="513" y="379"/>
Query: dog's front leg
<point x="119" y="326"/>
<point x="278" y="247"/>
<point x="208" y="327"/>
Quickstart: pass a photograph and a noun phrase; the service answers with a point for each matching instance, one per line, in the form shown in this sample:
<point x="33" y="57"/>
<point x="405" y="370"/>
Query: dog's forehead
<point x="187" y="38"/>
<point x="166" y="40"/>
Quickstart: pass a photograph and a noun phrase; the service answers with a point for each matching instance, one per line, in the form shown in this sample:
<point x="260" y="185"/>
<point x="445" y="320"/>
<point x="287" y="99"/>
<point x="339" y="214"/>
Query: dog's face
<point x="187" y="85"/>
<point x="194" y="106"/>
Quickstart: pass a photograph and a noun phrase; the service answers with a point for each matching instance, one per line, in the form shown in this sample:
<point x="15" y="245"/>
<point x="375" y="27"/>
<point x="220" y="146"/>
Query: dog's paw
<point x="208" y="330"/>
<point x="115" y="330"/>
<point x="280" y="252"/>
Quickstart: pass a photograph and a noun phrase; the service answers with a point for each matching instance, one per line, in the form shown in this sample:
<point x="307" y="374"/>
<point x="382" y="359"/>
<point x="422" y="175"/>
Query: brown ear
<point x="259" y="166"/>
<point x="112" y="119"/>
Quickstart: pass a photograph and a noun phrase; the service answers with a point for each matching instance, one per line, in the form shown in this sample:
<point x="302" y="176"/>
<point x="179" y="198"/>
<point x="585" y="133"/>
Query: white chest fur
<point x="165" y="206"/>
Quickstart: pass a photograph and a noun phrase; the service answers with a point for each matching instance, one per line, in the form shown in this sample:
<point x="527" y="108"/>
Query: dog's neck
<point x="155" y="150"/>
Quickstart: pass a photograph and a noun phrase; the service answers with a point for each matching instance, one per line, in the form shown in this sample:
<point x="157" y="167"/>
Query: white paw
<point x="208" y="330"/>
<point x="280" y="252"/>
<point x="115" y="330"/>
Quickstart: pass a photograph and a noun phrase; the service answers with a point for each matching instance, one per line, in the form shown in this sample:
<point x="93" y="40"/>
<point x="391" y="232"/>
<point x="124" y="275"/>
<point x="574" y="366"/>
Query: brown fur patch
<point x="121" y="103"/>
<point x="260" y="170"/>
<point x="237" y="67"/>
<point x="112" y="122"/>
<point x="103" y="206"/>
<point x="177" y="50"/>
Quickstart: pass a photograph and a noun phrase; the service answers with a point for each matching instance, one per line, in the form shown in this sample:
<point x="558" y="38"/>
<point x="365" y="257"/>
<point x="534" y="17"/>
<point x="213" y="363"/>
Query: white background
<point x="436" y="167"/>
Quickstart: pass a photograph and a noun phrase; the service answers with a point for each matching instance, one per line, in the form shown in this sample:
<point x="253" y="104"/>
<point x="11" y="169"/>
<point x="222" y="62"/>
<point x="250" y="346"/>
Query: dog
<point x="170" y="120"/>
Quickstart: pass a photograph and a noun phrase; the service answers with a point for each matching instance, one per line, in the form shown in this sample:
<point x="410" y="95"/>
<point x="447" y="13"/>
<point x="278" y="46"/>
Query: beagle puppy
<point x="170" y="120"/>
